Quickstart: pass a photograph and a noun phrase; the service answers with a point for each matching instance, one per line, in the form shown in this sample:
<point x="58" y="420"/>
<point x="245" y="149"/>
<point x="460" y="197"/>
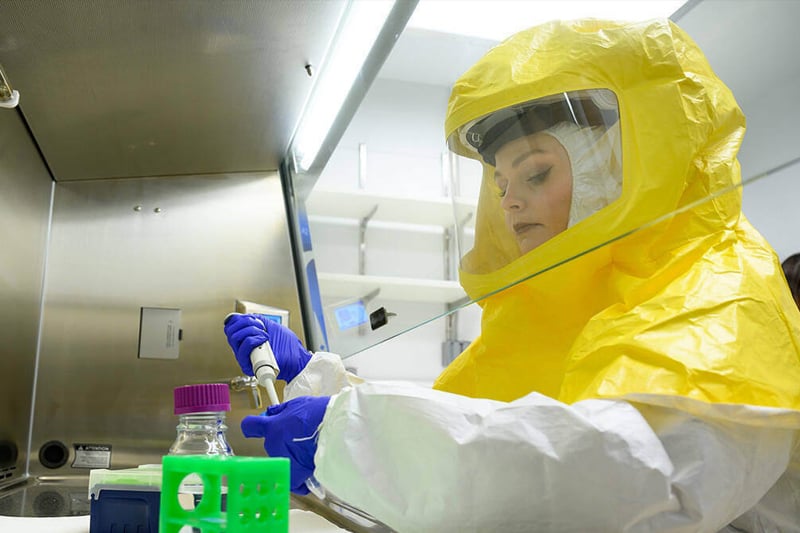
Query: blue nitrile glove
<point x="245" y="332"/>
<point x="290" y="429"/>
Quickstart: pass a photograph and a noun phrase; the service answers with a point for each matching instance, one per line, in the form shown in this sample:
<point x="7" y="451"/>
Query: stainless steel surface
<point x="25" y="190"/>
<point x="113" y="88"/>
<point x="69" y="496"/>
<point x="340" y="513"/>
<point x="217" y="239"/>
<point x="197" y="101"/>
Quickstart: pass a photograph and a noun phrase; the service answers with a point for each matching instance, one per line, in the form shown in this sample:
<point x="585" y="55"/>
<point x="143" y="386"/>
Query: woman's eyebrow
<point x="520" y="158"/>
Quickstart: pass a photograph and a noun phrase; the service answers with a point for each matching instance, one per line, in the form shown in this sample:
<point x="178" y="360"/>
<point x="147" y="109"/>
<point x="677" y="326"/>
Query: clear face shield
<point x="533" y="170"/>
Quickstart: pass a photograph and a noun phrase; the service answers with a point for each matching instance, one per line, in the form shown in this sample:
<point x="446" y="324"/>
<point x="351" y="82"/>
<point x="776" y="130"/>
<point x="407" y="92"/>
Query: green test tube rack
<point x="257" y="497"/>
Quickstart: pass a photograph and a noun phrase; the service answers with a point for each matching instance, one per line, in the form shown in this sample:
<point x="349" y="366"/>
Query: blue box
<point x="125" y="501"/>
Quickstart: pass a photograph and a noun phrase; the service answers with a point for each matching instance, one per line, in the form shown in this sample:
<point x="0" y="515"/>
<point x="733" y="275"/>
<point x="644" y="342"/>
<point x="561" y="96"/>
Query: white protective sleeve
<point x="323" y="375"/>
<point x="425" y="460"/>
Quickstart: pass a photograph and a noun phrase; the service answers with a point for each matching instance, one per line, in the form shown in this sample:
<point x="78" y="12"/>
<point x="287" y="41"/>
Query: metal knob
<point x="248" y="383"/>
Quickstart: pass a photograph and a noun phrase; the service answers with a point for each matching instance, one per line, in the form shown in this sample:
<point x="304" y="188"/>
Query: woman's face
<point x="535" y="179"/>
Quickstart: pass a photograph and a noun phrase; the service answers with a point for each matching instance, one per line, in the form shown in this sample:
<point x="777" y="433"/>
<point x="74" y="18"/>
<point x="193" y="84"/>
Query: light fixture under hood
<point x="359" y="27"/>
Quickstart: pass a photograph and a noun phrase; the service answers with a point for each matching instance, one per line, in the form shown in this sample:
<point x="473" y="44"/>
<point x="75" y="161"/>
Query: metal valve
<point x="248" y="383"/>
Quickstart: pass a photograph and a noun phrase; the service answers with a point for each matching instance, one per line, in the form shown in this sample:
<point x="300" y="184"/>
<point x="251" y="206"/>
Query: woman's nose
<point x="511" y="201"/>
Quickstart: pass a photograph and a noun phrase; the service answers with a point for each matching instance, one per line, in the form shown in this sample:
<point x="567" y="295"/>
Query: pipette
<point x="265" y="367"/>
<point x="266" y="370"/>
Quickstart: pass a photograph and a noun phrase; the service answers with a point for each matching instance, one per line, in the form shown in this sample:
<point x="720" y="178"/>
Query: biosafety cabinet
<point x="142" y="201"/>
<point x="165" y="163"/>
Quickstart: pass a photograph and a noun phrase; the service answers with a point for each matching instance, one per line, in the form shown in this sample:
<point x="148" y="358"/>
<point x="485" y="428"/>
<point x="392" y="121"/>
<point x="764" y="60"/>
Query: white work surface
<point x="299" y="522"/>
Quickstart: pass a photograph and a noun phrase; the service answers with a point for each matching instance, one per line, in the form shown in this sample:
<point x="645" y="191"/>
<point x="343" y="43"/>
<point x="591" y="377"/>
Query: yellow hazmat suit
<point x="694" y="305"/>
<point x="647" y="378"/>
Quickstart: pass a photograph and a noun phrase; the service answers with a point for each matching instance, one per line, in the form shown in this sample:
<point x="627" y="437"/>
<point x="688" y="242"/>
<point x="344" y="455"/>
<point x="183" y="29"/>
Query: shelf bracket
<point x="362" y="240"/>
<point x="466" y="219"/>
<point x="452" y="347"/>
<point x="453" y="247"/>
<point x="447" y="246"/>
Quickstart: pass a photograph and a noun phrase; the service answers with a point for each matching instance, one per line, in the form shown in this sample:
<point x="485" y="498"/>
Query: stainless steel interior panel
<point x="113" y="88"/>
<point x="25" y="190"/>
<point x="195" y="243"/>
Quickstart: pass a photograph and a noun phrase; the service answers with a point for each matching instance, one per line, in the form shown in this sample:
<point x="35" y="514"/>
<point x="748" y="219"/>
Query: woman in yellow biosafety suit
<point x="638" y="367"/>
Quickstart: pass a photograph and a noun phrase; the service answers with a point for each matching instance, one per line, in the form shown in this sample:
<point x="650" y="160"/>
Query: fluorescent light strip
<point x="361" y="24"/>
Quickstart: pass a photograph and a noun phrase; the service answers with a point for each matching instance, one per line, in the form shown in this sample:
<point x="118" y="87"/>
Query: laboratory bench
<point x="300" y="521"/>
<point x="61" y="505"/>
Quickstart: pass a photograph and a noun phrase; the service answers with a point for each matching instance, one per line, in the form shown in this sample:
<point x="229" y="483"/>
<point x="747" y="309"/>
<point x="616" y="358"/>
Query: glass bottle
<point x="201" y="431"/>
<point x="201" y="425"/>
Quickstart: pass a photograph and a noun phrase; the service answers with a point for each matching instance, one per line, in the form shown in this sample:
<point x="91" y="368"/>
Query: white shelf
<point x="356" y="205"/>
<point x="403" y="209"/>
<point x="392" y="288"/>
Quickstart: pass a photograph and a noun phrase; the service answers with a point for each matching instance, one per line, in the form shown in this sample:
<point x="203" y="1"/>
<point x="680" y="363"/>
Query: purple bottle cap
<point x="204" y="398"/>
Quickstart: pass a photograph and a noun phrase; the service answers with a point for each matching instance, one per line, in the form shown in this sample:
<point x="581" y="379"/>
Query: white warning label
<point x="92" y="456"/>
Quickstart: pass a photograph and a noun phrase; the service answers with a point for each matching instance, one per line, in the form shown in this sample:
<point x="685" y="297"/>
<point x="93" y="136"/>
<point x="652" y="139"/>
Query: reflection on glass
<point x="351" y="315"/>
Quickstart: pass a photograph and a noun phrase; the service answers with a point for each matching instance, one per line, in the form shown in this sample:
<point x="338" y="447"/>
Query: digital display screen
<point x="274" y="318"/>
<point x="351" y="315"/>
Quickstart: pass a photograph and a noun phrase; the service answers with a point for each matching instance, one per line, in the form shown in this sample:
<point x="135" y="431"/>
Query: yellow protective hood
<point x="693" y="305"/>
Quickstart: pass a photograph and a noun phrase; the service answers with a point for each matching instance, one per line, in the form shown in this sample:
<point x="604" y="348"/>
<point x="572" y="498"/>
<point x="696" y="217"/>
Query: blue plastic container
<point x="125" y="500"/>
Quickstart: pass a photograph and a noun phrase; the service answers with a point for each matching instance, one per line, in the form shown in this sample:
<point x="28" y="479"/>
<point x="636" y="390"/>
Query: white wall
<point x="771" y="206"/>
<point x="402" y="125"/>
<point x="772" y="139"/>
<point x="752" y="46"/>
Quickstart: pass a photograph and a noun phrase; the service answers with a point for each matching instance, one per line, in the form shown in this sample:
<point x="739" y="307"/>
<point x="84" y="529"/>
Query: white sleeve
<point x="324" y="375"/>
<point x="425" y="460"/>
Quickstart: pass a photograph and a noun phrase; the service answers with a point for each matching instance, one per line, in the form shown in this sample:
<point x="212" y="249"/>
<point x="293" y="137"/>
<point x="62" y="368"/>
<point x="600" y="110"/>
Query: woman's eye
<point x="540" y="177"/>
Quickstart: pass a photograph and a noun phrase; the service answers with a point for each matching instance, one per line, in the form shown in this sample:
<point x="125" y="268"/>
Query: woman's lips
<point x="522" y="227"/>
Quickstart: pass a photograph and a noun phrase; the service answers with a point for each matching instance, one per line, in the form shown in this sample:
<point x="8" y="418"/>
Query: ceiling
<point x="751" y="44"/>
<point x="114" y="88"/>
